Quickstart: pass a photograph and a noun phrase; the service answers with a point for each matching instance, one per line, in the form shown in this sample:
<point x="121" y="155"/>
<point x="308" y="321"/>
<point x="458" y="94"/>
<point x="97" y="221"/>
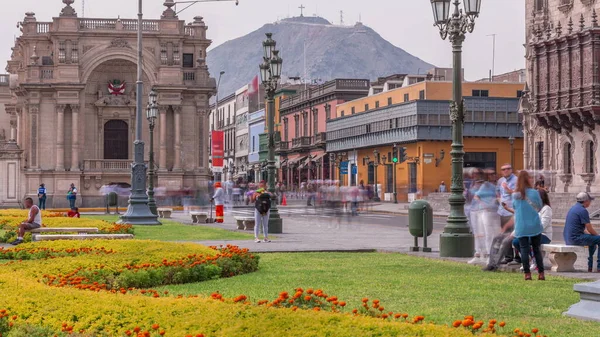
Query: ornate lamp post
<point x="511" y="141"/>
<point x="138" y="212"/>
<point x="151" y="113"/>
<point x="457" y="239"/>
<point x="270" y="72"/>
<point x="376" y="164"/>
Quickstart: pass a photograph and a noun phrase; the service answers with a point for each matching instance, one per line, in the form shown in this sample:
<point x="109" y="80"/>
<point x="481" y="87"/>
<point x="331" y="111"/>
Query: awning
<point x="319" y="156"/>
<point x="296" y="161"/>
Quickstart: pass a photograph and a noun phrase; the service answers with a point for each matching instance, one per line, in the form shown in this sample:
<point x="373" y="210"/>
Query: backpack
<point x="263" y="203"/>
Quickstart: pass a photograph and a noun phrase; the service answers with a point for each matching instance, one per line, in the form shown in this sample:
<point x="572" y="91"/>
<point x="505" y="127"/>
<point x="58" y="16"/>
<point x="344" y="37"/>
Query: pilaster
<point x="60" y="137"/>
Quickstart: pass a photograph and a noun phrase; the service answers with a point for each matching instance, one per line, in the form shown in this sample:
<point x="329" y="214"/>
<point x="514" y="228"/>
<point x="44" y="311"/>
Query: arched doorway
<point x="116" y="140"/>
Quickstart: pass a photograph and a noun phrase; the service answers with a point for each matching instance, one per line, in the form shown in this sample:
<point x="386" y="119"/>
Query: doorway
<point x="116" y="140"/>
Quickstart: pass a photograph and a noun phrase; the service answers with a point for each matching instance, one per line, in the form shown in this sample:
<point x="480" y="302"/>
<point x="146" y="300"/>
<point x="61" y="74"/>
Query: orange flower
<point x="476" y="326"/>
<point x="155" y="326"/>
<point x="317" y="309"/>
<point x="294" y="308"/>
<point x="467" y="322"/>
<point x="354" y="311"/>
<point x="502" y="324"/>
<point x="365" y="300"/>
<point x="162" y="332"/>
<point x="309" y="291"/>
<point x="128" y="333"/>
<point x="456" y="324"/>
<point x="342" y="304"/>
<point x="199" y="335"/>
<point x="381" y="308"/>
<point x="14" y="317"/>
<point x="535" y="330"/>
<point x="136" y="329"/>
<point x="493" y="321"/>
<point x="307" y="298"/>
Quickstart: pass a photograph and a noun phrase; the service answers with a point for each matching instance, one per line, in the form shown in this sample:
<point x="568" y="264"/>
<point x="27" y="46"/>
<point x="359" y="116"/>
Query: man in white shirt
<point x="34" y="220"/>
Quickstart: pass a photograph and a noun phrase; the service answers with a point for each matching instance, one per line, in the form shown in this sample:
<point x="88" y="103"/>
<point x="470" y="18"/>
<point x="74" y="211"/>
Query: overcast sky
<point x="405" y="23"/>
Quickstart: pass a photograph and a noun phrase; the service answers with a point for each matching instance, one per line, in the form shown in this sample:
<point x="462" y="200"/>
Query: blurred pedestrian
<point x="42" y="196"/>
<point x="219" y="199"/>
<point x="72" y="196"/>
<point x="262" y="211"/>
<point x="506" y="186"/>
<point x="442" y="188"/>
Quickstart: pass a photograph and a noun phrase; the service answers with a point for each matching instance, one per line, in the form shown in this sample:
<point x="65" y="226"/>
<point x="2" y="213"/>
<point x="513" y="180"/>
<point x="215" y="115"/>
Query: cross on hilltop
<point x="302" y="10"/>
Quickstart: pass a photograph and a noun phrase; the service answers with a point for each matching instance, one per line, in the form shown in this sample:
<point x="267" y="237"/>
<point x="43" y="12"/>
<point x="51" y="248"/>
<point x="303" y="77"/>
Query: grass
<point x="441" y="291"/>
<point x="175" y="231"/>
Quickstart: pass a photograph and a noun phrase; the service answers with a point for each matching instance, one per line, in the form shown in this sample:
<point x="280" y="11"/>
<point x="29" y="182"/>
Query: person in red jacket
<point x="74" y="213"/>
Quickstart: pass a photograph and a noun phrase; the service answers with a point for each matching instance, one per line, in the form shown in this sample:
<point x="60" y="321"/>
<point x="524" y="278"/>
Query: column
<point x="60" y="137"/>
<point x="13" y="131"/>
<point x="75" y="138"/>
<point x="162" y="123"/>
<point x="177" y="145"/>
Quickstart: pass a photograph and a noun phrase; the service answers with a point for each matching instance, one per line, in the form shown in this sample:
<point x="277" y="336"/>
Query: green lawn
<point x="441" y="291"/>
<point x="175" y="231"/>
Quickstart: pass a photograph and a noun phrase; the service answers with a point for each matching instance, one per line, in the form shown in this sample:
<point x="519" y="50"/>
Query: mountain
<point x="332" y="51"/>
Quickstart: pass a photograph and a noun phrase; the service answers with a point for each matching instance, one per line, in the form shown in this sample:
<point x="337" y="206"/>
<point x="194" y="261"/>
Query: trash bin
<point x="113" y="199"/>
<point x="420" y="220"/>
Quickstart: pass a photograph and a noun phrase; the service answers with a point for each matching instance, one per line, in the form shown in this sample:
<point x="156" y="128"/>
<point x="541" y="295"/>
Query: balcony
<point x="320" y="138"/>
<point x="107" y="165"/>
<point x="301" y="142"/>
<point x="343" y="85"/>
<point x="282" y="146"/>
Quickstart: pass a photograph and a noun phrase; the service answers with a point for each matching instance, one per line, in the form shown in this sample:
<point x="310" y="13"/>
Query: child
<point x="74" y="213"/>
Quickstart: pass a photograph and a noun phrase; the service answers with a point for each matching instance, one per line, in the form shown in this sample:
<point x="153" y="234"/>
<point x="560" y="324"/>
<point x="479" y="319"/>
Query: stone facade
<point x="72" y="126"/>
<point x="562" y="106"/>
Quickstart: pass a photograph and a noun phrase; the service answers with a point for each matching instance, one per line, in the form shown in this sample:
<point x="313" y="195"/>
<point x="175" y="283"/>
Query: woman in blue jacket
<point x="528" y="226"/>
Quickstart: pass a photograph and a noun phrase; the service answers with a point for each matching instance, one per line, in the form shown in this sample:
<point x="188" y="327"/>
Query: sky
<point x="407" y="24"/>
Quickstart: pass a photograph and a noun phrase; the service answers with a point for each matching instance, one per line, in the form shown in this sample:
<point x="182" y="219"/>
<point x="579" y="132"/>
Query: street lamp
<point x="151" y="113"/>
<point x="457" y="239"/>
<point x="270" y="72"/>
<point x="376" y="164"/>
<point x="138" y="212"/>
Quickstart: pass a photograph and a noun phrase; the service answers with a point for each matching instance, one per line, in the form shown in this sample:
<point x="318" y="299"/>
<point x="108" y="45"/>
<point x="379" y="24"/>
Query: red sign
<point x="218" y="149"/>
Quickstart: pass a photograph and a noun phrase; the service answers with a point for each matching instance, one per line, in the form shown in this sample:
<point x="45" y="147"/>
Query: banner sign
<point x="344" y="167"/>
<point x="218" y="148"/>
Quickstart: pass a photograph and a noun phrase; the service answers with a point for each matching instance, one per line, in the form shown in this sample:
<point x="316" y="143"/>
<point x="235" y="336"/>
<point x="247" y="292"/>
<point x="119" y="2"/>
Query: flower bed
<point x="10" y="220"/>
<point x="103" y="288"/>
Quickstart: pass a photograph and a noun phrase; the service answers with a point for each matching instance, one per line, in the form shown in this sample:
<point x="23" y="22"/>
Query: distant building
<point x="516" y="76"/>
<point x="562" y="108"/>
<point x="256" y="126"/>
<point x="224" y="120"/>
<point x="417" y="117"/>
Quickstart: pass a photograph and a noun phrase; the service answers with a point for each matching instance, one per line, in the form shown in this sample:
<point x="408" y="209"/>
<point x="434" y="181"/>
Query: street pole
<point x="394" y="182"/>
<point x="138" y="212"/>
<point x="511" y="140"/>
<point x="376" y="164"/>
<point x="457" y="239"/>
<point x="151" y="116"/>
<point x="270" y="72"/>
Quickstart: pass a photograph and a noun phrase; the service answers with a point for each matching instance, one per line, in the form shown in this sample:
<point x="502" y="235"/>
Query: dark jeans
<point x="592" y="241"/>
<point x="42" y="204"/>
<point x="531" y="242"/>
<point x="517" y="245"/>
<point x="72" y="203"/>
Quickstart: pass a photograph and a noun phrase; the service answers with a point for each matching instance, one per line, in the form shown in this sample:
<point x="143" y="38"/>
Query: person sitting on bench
<point x="576" y="223"/>
<point x="74" y="213"/>
<point x="33" y="221"/>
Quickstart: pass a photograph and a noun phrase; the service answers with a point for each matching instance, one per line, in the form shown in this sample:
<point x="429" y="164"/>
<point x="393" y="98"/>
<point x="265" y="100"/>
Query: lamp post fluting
<point x="151" y="114"/>
<point x="457" y="239"/>
<point x="270" y="73"/>
<point x="138" y="212"/>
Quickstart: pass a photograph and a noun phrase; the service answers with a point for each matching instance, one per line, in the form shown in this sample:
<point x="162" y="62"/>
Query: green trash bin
<point x="420" y="221"/>
<point x="113" y="199"/>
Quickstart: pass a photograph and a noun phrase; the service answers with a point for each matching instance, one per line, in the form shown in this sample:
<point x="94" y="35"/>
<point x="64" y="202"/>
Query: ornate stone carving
<point x="119" y="43"/>
<point x="68" y="10"/>
<point x="87" y="48"/>
<point x="98" y="182"/>
<point x="112" y="100"/>
<point x="87" y="182"/>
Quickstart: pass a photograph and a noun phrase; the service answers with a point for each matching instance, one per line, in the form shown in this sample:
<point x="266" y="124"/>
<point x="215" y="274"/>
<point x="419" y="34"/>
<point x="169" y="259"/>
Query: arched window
<point x="567" y="159"/>
<point x="590" y="159"/>
<point x="116" y="140"/>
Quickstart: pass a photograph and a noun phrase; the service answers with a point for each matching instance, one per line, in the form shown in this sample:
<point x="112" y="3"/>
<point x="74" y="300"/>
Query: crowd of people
<point x="511" y="218"/>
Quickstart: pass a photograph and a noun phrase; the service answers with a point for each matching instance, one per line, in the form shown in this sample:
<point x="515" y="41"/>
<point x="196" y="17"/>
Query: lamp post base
<point x="139" y="214"/>
<point x="457" y="244"/>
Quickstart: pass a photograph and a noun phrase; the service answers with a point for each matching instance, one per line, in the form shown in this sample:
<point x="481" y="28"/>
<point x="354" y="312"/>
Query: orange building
<point x="416" y="117"/>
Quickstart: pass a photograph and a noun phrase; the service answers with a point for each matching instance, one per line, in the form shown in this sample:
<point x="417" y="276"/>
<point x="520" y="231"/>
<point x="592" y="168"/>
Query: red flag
<point x="253" y="85"/>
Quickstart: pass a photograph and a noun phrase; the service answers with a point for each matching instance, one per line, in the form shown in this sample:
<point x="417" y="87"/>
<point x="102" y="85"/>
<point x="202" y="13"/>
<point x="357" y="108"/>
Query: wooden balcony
<point x="301" y="142"/>
<point x="320" y="138"/>
<point x="282" y="146"/>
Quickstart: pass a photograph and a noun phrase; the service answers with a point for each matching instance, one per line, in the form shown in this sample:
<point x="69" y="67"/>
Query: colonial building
<point x="303" y="128"/>
<point x="416" y="117"/>
<point x="223" y="120"/>
<point x="256" y="126"/>
<point x="562" y="110"/>
<point x="71" y="108"/>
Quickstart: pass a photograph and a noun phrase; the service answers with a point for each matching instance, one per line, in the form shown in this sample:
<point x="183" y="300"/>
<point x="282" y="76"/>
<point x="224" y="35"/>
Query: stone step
<point x="53" y="237"/>
<point x="65" y="230"/>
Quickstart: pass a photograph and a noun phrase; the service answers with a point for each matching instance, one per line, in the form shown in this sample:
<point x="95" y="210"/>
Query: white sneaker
<point x="257" y="240"/>
<point x="474" y="260"/>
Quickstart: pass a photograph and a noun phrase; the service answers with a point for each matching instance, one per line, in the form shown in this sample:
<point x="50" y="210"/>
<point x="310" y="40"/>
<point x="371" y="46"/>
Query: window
<point x="315" y="121"/>
<point x="412" y="177"/>
<point x="366" y="107"/>
<point x="188" y="60"/>
<point x="285" y="129"/>
<point x="389" y="101"/>
<point x="163" y="54"/>
<point x="74" y="53"/>
<point x="422" y="94"/>
<point x="406" y="97"/>
<point x="296" y="126"/>
<point x="342" y="113"/>
<point x="482" y="160"/>
<point x="481" y="93"/>
<point x="567" y="159"/>
<point x="176" y="56"/>
<point x="368" y="128"/>
<point x="389" y="181"/>
<point x="589" y="157"/>
<point x="519" y="93"/>
<point x="540" y="4"/>
<point x="327" y="111"/>
<point x="371" y="174"/>
<point x="47" y="61"/>
<point x="539" y="155"/>
<point x="376" y="104"/>
<point x="305" y="125"/>
<point x="253" y="144"/>
<point x="62" y="52"/>
<point x="353" y="110"/>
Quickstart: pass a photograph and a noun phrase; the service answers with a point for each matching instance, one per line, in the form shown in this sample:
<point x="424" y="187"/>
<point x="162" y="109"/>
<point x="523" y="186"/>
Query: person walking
<point x="442" y="188"/>
<point x="72" y="196"/>
<point x="506" y="186"/>
<point x="262" y="210"/>
<point x="219" y="198"/>
<point x="528" y="226"/>
<point x="42" y="197"/>
<point x="489" y="219"/>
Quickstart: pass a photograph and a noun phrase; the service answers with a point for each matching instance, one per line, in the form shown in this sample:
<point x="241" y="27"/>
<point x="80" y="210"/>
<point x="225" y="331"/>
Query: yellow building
<point x="417" y="118"/>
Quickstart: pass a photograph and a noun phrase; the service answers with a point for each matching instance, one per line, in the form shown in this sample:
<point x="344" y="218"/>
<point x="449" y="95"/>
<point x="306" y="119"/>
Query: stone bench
<point x="52" y="237"/>
<point x="588" y="307"/>
<point x="563" y="256"/>
<point x="245" y="223"/>
<point x="164" y="213"/>
<point x="199" y="217"/>
<point x="79" y="230"/>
